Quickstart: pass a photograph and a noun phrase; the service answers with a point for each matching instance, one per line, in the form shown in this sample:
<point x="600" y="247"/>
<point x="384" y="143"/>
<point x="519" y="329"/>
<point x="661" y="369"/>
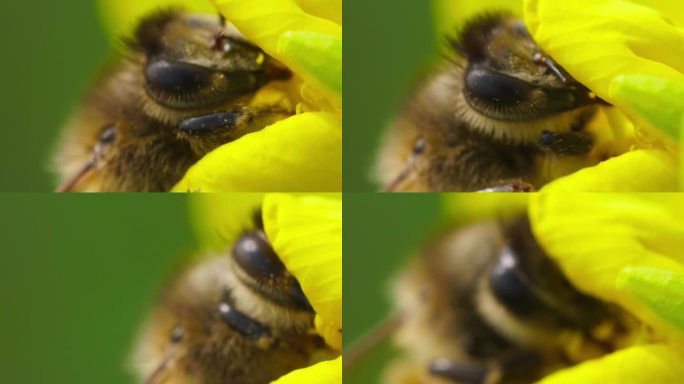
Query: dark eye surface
<point x="491" y="87"/>
<point x="177" y="77"/>
<point x="181" y="85"/>
<point x="510" y="285"/>
<point x="256" y="257"/>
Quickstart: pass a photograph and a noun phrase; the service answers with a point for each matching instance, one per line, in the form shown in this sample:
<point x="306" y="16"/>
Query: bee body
<point x="184" y="85"/>
<point x="484" y="304"/>
<point x="496" y="111"/>
<point x="240" y="319"/>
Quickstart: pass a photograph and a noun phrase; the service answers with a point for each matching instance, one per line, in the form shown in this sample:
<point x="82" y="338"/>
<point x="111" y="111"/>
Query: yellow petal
<point x="326" y="372"/>
<point x="595" y="236"/>
<point x="637" y="171"/>
<point x="597" y="41"/>
<point x="300" y="153"/>
<point x="636" y="365"/>
<point x="219" y="219"/>
<point x="121" y="16"/>
<point x="326" y="9"/>
<point x="306" y="232"/>
<point x="450" y="15"/>
<point x="264" y="21"/>
<point x="470" y="207"/>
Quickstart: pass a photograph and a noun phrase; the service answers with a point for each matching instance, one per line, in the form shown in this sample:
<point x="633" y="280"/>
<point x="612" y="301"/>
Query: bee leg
<point x="466" y="373"/>
<point x="213" y="122"/>
<point x="566" y="143"/>
<point x="245" y="325"/>
<point x="509" y="186"/>
<point x="516" y="365"/>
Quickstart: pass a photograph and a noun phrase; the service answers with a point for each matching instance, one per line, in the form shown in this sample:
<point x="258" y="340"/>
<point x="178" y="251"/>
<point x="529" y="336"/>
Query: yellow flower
<point x="306" y="233"/>
<point x="636" y="365"/>
<point x="300" y="153"/>
<point x="627" y="53"/>
<point x="624" y="249"/>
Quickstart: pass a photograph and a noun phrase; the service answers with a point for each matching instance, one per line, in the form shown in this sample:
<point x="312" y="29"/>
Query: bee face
<point x="484" y="304"/>
<point x="185" y="85"/>
<point x="508" y="78"/>
<point x="239" y="319"/>
<point x="498" y="113"/>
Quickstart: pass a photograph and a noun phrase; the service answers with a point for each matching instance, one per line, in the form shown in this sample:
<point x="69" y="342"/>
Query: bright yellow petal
<point x="326" y="372"/>
<point x="594" y="237"/>
<point x="450" y="15"/>
<point x="465" y="208"/>
<point x="219" y="219"/>
<point x="657" y="364"/>
<point x="121" y="16"/>
<point x="327" y="9"/>
<point x="597" y="41"/>
<point x="300" y="153"/>
<point x="306" y="232"/>
<point x="636" y="171"/>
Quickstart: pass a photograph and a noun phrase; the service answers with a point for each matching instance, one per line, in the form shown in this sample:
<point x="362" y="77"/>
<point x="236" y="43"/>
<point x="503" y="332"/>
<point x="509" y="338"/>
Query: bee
<point x="484" y="304"/>
<point x="241" y="318"/>
<point x="498" y="114"/>
<point x="184" y="85"/>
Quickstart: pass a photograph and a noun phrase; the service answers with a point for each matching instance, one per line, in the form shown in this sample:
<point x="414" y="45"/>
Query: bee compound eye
<point x="256" y="257"/>
<point x="176" y="77"/>
<point x="491" y="87"/>
<point x="510" y="284"/>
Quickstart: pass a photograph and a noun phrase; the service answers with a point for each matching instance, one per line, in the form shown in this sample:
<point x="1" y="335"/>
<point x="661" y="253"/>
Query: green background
<point x="51" y="51"/>
<point x="386" y="43"/>
<point x="381" y="231"/>
<point x="77" y="276"/>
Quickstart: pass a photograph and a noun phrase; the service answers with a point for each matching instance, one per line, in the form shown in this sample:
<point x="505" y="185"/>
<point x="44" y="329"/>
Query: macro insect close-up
<point x="183" y="89"/>
<point x="239" y="317"/>
<point x="488" y="298"/>
<point x="511" y="96"/>
<point x="207" y="95"/>
<point x="231" y="298"/>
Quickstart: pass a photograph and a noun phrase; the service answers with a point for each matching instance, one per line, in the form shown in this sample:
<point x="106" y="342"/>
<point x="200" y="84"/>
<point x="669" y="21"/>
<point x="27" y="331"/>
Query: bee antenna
<point x="371" y="340"/>
<point x="73" y="181"/>
<point x="154" y="377"/>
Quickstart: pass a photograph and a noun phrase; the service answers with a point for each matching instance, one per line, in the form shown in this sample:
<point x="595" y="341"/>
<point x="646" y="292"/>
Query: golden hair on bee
<point x="497" y="113"/>
<point x="483" y="304"/>
<point x="240" y="318"/>
<point x="183" y="86"/>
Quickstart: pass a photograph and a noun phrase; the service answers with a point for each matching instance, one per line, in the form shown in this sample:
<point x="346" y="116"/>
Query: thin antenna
<point x="370" y="340"/>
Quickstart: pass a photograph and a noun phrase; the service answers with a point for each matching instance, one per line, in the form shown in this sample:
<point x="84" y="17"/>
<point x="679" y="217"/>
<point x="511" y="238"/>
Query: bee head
<point x="199" y="61"/>
<point x="507" y="76"/>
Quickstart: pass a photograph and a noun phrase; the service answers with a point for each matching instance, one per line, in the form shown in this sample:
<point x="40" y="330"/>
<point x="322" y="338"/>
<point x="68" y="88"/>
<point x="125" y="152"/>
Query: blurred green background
<point x="386" y="44"/>
<point x="380" y="233"/>
<point x="77" y="276"/>
<point x="51" y="51"/>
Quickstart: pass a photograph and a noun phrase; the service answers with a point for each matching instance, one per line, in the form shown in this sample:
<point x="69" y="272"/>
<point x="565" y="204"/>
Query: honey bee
<point x="498" y="114"/>
<point x="484" y="304"/>
<point x="184" y="85"/>
<point x="239" y="319"/>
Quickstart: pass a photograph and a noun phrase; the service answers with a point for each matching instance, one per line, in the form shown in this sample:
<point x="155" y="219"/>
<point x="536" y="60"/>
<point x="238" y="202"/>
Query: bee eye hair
<point x="148" y="35"/>
<point x="472" y="40"/>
